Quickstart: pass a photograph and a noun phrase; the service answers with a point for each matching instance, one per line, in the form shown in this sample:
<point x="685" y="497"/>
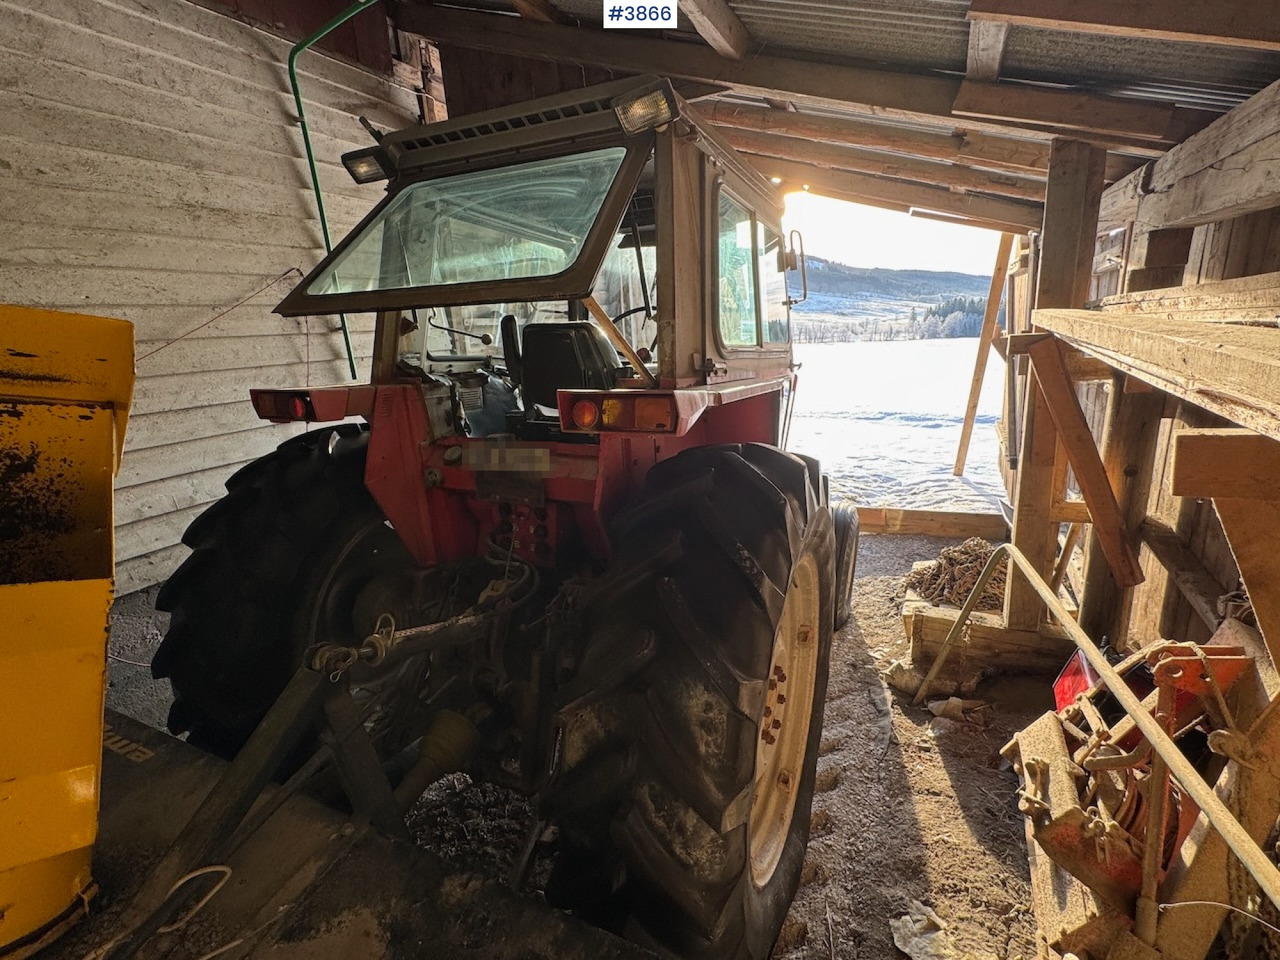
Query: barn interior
<point x="177" y="164"/>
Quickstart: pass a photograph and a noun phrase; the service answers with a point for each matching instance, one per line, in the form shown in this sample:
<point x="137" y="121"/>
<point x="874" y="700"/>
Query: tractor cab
<point x="598" y="240"/>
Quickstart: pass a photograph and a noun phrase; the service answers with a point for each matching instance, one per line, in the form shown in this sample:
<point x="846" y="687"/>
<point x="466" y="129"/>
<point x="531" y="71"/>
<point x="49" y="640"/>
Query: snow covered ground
<point x="884" y="419"/>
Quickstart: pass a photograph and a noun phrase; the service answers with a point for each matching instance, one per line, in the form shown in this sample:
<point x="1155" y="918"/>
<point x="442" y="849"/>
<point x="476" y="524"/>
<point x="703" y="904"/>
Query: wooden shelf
<point x="1230" y="369"/>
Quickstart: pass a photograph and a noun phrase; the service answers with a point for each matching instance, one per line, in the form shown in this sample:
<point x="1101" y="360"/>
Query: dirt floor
<point x="904" y="812"/>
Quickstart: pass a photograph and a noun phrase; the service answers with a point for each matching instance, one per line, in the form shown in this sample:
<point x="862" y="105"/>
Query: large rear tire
<point x="277" y="565"/>
<point x="690" y="736"/>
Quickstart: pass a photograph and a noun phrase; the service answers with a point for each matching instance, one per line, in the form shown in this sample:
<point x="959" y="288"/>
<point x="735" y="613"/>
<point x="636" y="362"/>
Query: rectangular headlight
<point x="365" y="166"/>
<point x="646" y="110"/>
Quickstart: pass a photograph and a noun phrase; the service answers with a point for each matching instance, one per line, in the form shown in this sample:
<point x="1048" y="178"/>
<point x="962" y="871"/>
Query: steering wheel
<point x="626" y="313"/>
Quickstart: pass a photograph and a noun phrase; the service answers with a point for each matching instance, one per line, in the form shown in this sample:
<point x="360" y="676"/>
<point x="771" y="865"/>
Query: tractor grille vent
<point x="517" y="121"/>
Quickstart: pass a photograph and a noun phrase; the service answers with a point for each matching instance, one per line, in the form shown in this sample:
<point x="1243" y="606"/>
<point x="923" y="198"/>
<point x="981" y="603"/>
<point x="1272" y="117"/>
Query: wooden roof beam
<point x="901" y="94"/>
<point x="1240" y="23"/>
<point x="889" y="93"/>
<point x="1012" y="216"/>
<point x="717" y="24"/>
<point x="883" y="164"/>
<point x="1026" y="157"/>
<point x="539" y="10"/>
<point x="1225" y="170"/>
<point x="986" y="49"/>
<point x="1142" y="126"/>
<point x="960" y="221"/>
<point x="1000" y="153"/>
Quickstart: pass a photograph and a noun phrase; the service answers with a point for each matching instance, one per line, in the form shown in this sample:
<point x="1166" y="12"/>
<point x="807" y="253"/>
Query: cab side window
<point x="774" y="306"/>
<point x="736" y="274"/>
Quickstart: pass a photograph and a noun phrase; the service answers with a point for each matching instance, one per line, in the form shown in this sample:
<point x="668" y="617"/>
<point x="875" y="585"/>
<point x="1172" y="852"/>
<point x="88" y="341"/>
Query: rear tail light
<point x="586" y="414"/>
<point x="282" y="406"/>
<point x="626" y="411"/>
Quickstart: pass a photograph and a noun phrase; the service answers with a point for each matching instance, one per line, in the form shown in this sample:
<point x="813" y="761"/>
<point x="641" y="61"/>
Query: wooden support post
<point x="1072" y="196"/>
<point x="1082" y="453"/>
<point x="985" y="339"/>
<point x="1129" y="454"/>
<point x="1251" y="521"/>
<point x="1253" y="530"/>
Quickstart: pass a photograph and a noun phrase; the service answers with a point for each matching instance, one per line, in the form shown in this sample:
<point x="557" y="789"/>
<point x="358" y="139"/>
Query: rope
<point x="218" y="316"/>
<point x="132" y="663"/>
<point x="950" y="578"/>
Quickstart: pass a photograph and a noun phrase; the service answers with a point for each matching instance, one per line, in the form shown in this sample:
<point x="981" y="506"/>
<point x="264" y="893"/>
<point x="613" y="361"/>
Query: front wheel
<point x="687" y="770"/>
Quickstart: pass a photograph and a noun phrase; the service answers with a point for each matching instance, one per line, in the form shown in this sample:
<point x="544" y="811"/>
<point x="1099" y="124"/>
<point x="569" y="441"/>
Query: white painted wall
<point x="151" y="169"/>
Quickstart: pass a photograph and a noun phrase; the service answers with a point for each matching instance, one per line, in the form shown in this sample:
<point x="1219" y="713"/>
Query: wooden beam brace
<point x="1137" y="124"/>
<point x="1225" y="463"/>
<point x="1014" y="215"/>
<point x="1064" y="407"/>
<point x="1241" y="23"/>
<point x="1231" y="370"/>
<point x="895" y="166"/>
<point x="986" y="49"/>
<point x="985" y="338"/>
<point x="908" y="96"/>
<point x="717" y="24"/>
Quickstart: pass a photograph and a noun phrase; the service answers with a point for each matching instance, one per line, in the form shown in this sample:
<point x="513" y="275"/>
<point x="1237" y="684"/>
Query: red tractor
<point x="555" y="540"/>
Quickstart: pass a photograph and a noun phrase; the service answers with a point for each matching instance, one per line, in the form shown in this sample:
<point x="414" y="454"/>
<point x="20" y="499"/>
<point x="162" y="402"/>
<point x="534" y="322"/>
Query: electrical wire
<point x="1223" y="906"/>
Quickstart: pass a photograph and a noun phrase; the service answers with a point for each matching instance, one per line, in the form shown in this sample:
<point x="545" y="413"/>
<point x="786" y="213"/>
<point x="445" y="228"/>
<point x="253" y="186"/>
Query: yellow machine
<point x="65" y="385"/>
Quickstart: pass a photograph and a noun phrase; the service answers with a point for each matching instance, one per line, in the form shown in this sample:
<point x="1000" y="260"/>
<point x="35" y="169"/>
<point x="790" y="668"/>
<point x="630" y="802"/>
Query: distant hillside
<point x="860" y="303"/>
<point x="831" y="279"/>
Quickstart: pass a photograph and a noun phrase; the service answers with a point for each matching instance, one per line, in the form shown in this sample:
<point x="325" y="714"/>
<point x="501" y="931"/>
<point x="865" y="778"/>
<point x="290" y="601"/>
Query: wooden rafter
<point x="1240" y="23"/>
<point x="540" y="10"/>
<point x="884" y="92"/>
<point x="884" y="164"/>
<point x="986" y="49"/>
<point x="978" y="149"/>
<point x="717" y="24"/>
<point x="1137" y="125"/>
<point x="959" y="221"/>
<point x="1012" y="215"/>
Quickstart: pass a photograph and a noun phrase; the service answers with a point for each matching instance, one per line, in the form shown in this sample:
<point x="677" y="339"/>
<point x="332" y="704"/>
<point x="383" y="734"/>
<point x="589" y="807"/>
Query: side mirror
<point x="796" y="261"/>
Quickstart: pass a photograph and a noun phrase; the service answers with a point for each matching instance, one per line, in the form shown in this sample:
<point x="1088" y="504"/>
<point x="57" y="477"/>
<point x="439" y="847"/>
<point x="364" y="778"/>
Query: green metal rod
<point x="294" y="53"/>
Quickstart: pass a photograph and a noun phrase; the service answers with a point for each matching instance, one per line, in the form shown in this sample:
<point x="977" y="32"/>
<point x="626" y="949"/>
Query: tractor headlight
<point x="366" y="166"/>
<point x="643" y="111"/>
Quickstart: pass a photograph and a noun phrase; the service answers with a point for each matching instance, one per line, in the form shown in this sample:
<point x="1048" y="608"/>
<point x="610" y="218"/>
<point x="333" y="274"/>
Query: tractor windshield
<point x="519" y="222"/>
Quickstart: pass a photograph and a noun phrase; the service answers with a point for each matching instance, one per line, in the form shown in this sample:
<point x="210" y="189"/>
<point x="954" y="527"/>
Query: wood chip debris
<point x="950" y="578"/>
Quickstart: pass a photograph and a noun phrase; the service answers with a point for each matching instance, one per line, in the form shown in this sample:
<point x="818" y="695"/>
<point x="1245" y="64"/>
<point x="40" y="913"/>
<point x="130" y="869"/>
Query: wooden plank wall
<point x="1243" y="246"/>
<point x="151" y="169"/>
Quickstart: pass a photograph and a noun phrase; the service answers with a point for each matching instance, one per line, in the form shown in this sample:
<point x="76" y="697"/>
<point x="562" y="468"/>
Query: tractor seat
<point x="564" y="356"/>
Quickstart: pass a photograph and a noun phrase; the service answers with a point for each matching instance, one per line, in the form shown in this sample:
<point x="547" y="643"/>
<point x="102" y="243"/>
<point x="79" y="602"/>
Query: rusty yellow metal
<point x="65" y="386"/>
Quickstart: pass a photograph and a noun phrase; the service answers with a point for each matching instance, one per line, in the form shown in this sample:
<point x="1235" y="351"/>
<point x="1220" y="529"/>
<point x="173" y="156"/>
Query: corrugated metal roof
<point x="1190" y="73"/>
<point x="933" y="35"/>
